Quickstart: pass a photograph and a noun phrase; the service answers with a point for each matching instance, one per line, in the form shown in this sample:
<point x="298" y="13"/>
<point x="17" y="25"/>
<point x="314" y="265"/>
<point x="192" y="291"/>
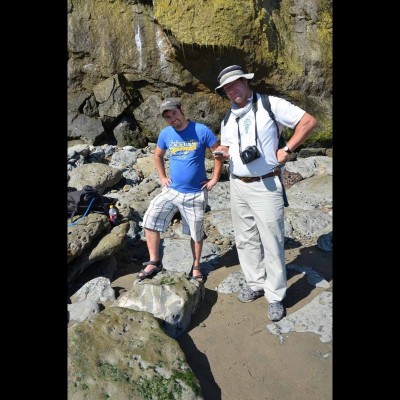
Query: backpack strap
<point x="281" y="143"/>
<point x="267" y="105"/>
<point x="227" y="115"/>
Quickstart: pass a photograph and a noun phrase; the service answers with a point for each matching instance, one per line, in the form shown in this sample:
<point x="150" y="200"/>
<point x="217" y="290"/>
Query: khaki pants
<point x="258" y="220"/>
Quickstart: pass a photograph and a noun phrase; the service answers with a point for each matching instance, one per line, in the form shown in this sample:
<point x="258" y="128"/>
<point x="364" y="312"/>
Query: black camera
<point x="249" y="154"/>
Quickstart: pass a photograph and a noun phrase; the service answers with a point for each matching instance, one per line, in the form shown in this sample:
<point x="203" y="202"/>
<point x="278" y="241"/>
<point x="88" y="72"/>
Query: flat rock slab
<point x="314" y="317"/>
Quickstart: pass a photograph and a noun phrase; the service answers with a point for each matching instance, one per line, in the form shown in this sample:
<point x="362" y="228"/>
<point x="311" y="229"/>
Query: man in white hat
<point x="249" y="138"/>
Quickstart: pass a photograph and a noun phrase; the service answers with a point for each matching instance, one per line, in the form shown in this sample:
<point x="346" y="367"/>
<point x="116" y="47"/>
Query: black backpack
<point x="81" y="202"/>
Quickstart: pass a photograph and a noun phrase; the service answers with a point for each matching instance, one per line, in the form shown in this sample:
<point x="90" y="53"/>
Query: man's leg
<point x="192" y="209"/>
<point x="196" y="252"/>
<point x="247" y="237"/>
<point x="153" y="245"/>
<point x="156" y="220"/>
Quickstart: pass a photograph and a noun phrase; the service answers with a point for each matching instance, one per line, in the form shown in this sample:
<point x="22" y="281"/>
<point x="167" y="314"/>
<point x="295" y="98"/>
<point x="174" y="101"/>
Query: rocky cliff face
<point x="126" y="55"/>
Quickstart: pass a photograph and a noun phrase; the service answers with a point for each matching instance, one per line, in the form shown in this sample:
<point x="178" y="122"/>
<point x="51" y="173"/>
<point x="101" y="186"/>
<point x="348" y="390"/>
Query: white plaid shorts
<point x="165" y="205"/>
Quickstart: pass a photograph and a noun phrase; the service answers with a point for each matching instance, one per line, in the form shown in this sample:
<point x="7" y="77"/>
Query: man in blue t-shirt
<point x="185" y="190"/>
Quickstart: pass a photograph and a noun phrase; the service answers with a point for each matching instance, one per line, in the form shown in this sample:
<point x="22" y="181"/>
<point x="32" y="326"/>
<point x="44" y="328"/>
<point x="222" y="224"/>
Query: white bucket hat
<point x="230" y="74"/>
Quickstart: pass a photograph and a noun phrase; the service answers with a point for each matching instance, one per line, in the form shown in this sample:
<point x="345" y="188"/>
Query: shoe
<point x="200" y="277"/>
<point x="246" y="295"/>
<point x="276" y="311"/>
<point x="148" y="275"/>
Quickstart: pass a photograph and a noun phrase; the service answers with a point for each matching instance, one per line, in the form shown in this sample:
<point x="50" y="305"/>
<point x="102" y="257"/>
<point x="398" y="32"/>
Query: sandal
<point x="200" y="277"/>
<point x="148" y="275"/>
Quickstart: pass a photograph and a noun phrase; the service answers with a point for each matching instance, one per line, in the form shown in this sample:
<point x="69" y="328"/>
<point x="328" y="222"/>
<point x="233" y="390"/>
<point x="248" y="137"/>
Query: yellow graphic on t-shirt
<point x="181" y="149"/>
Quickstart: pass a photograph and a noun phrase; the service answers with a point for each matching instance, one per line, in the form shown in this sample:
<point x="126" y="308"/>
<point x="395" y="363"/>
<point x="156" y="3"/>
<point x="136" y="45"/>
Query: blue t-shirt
<point x="187" y="152"/>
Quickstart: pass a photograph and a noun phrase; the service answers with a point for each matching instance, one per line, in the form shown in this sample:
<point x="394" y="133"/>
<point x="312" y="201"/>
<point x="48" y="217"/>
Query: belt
<point x="276" y="171"/>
